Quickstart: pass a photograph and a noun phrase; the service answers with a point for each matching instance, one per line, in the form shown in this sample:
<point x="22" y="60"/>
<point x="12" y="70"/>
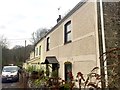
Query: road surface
<point x="11" y="85"/>
<point x="19" y="84"/>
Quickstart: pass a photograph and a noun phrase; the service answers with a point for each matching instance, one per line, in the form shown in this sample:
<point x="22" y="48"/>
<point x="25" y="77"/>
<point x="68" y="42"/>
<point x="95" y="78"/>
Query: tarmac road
<point x="10" y="84"/>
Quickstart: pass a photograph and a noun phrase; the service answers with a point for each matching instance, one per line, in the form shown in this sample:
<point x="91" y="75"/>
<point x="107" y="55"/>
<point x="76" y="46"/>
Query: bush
<point x="54" y="73"/>
<point x="65" y="86"/>
<point x="31" y="69"/>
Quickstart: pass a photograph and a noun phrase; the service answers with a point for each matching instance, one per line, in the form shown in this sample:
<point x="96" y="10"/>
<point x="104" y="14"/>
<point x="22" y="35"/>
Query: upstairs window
<point x="67" y="32"/>
<point x="48" y="44"/>
<point x="36" y="51"/>
<point x="39" y="50"/>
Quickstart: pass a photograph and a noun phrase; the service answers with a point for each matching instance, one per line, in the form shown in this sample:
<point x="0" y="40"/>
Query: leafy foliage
<point x="3" y="41"/>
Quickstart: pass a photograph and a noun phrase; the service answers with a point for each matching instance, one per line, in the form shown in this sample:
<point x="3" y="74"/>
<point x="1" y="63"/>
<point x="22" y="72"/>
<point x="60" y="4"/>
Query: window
<point x="36" y="51"/>
<point x="48" y="44"/>
<point x="39" y="50"/>
<point x="67" y="32"/>
<point x="68" y="69"/>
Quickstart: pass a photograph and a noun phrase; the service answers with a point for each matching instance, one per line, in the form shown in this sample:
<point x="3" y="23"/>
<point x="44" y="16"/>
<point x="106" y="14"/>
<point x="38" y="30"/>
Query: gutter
<point x="103" y="41"/>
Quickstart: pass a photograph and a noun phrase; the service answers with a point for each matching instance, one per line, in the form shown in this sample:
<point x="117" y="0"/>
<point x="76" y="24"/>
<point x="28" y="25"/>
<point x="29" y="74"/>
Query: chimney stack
<point x="59" y="18"/>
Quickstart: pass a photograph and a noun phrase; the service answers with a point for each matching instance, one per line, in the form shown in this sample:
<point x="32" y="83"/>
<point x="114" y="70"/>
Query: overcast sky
<point x="19" y="18"/>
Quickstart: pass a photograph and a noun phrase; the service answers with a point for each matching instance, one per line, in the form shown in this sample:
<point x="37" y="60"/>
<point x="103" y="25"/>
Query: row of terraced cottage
<point x="73" y="44"/>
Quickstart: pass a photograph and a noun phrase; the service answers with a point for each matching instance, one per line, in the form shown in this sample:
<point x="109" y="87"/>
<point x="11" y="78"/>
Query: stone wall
<point x="112" y="24"/>
<point x="111" y="16"/>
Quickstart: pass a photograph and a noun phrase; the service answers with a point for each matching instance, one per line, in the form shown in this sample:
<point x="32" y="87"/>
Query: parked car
<point x="10" y="73"/>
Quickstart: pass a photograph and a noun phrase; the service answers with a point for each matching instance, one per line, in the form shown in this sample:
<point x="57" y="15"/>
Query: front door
<point x="68" y="68"/>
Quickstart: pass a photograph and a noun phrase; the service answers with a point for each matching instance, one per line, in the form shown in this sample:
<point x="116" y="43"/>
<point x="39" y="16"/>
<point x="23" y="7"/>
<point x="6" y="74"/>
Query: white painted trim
<point x="87" y="35"/>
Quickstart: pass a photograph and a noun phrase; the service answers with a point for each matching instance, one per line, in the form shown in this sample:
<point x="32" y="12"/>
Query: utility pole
<point x="25" y="52"/>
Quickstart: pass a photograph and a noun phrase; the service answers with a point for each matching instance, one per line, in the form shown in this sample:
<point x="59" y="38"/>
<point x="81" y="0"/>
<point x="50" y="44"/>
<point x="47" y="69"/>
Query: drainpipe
<point x="103" y="41"/>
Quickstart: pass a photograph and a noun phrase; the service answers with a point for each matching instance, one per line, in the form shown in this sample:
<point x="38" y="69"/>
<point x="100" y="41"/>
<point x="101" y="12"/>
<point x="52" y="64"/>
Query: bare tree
<point x="3" y="42"/>
<point x="40" y="33"/>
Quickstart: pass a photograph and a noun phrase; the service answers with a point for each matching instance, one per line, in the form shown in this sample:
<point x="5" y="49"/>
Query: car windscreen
<point x="10" y="69"/>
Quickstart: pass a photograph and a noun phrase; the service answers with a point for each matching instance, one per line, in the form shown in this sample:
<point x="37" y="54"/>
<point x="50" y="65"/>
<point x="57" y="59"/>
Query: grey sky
<point x="19" y="18"/>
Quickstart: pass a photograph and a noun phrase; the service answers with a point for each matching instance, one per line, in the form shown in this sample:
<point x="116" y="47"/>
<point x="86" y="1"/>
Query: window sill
<point x="67" y="42"/>
<point x="47" y="50"/>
